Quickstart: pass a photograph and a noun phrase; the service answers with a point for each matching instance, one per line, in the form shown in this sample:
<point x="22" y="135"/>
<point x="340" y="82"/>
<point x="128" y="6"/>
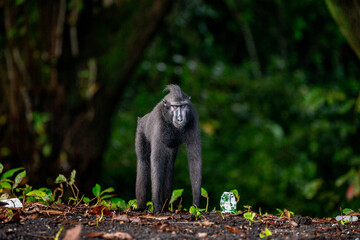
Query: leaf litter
<point x="61" y="221"/>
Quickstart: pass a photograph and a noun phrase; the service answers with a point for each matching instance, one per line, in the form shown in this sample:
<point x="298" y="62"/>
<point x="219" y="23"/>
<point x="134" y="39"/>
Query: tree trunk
<point x="58" y="93"/>
<point x="347" y="15"/>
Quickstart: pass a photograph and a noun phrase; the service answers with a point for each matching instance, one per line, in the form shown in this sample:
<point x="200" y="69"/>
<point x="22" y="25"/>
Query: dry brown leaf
<point x="16" y="217"/>
<point x="206" y="223"/>
<point x="31" y="209"/>
<point x="202" y="235"/>
<point x="287" y="213"/>
<point x="160" y="218"/>
<point x="98" y="209"/>
<point x="294" y="224"/>
<point x="168" y="228"/>
<point x="122" y="217"/>
<point x="164" y="227"/>
<point x="93" y="234"/>
<point x="242" y="234"/>
<point x="51" y="212"/>
<point x="232" y="229"/>
<point x="31" y="216"/>
<point x="353" y="214"/>
<point x="7" y="216"/>
<point x="73" y="233"/>
<point x="92" y="223"/>
<point x="117" y="235"/>
<point x="135" y="219"/>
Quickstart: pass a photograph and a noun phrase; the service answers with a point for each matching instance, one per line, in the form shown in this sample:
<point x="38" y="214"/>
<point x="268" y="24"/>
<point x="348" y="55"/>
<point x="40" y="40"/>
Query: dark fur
<point x="156" y="144"/>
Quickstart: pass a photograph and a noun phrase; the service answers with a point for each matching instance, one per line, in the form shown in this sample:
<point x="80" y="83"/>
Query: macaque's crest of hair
<point x="175" y="93"/>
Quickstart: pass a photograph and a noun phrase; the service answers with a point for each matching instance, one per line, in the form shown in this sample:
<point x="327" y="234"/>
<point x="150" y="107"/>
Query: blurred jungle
<point x="276" y="84"/>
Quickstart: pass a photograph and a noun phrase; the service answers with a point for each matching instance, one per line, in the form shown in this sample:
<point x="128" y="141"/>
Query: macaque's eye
<point x="175" y="107"/>
<point x="182" y="106"/>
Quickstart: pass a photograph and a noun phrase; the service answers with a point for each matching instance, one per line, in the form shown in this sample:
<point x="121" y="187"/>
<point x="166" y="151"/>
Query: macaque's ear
<point x="165" y="102"/>
<point x="189" y="97"/>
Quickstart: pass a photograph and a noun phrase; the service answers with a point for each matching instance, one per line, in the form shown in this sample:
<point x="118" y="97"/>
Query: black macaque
<point x="159" y="133"/>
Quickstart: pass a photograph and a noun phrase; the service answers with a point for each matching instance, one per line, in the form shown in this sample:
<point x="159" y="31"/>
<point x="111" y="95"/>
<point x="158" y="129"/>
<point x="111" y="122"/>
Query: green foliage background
<point x="275" y="83"/>
<point x="283" y="138"/>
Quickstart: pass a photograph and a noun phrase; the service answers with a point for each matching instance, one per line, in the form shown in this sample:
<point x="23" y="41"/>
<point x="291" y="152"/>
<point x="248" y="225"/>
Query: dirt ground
<point x="37" y="221"/>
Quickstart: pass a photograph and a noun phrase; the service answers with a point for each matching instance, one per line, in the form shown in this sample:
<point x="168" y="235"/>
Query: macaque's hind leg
<point x="143" y="170"/>
<point x="168" y="179"/>
<point x="159" y="158"/>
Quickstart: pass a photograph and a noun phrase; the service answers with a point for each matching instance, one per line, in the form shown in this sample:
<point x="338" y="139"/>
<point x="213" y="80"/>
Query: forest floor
<point x="37" y="221"/>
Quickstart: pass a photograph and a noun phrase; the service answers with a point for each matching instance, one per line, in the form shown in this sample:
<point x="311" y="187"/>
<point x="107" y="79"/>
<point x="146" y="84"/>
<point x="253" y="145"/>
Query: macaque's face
<point x="179" y="113"/>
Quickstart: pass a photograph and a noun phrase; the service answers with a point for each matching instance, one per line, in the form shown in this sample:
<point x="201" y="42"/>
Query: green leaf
<point x="347" y="211"/>
<point x="249" y="215"/>
<point x="108" y="196"/>
<point x="5" y="185"/>
<point x="108" y="190"/>
<point x="1" y="168"/>
<point x="60" y="179"/>
<point x="72" y="177"/>
<point x="86" y="199"/>
<point x="96" y="190"/>
<point x="19" y="178"/>
<point x="36" y="193"/>
<point x="236" y="193"/>
<point x="10" y="173"/>
<point x="204" y="193"/>
<point x="120" y="203"/>
<point x="192" y="210"/>
<point x="280" y="211"/>
<point x="267" y="232"/>
<point x="4" y="196"/>
<point x="46" y="150"/>
<point x="176" y="194"/>
<point x="150" y="205"/>
<point x="132" y="203"/>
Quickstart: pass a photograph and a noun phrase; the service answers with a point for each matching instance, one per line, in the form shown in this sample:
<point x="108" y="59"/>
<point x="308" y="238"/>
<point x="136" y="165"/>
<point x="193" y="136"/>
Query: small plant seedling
<point x="236" y="193"/>
<point x="57" y="236"/>
<point x="150" y="205"/>
<point x="99" y="219"/>
<point x="101" y="195"/>
<point x="69" y="182"/>
<point x="285" y="213"/>
<point x="116" y="203"/>
<point x="24" y="191"/>
<point x="205" y="195"/>
<point x="132" y="204"/>
<point x="175" y="195"/>
<point x="250" y="216"/>
<point x="343" y="222"/>
<point x="266" y="234"/>
<point x="347" y="211"/>
<point x="248" y="208"/>
<point x="7" y="183"/>
<point x="43" y="195"/>
<point x="120" y="204"/>
<point x="281" y="212"/>
<point x="195" y="211"/>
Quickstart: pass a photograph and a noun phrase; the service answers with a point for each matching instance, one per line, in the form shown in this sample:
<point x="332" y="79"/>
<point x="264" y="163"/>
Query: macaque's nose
<point x="179" y="116"/>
